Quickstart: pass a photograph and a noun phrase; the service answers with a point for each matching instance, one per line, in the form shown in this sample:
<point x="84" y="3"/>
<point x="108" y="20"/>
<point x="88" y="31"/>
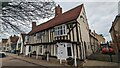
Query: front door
<point x="64" y="50"/>
<point x="69" y="50"/>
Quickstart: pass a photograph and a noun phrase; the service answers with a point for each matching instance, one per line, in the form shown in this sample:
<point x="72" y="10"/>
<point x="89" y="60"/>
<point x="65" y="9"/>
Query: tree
<point x="17" y="16"/>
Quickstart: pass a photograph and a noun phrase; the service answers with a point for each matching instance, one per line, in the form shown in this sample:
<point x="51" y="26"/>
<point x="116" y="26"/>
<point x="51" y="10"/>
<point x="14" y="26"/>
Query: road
<point x="10" y="62"/>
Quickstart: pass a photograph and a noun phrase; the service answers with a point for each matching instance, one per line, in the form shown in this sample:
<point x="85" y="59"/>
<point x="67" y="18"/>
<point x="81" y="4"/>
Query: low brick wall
<point x="103" y="57"/>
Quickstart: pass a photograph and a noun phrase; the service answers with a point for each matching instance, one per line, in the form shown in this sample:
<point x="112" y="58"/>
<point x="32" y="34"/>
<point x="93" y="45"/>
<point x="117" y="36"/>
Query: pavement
<point x="35" y="61"/>
<point x="11" y="61"/>
<point x="99" y="63"/>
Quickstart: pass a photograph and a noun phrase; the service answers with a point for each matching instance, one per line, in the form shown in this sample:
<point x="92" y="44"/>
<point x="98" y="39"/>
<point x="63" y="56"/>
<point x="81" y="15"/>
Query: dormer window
<point x="60" y="30"/>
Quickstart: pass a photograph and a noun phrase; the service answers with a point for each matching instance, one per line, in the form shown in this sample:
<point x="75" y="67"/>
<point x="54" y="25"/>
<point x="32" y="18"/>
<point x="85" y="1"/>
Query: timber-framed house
<point x="66" y="35"/>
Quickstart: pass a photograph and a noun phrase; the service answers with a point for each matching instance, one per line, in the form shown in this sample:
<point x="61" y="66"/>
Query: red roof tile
<point x="60" y="19"/>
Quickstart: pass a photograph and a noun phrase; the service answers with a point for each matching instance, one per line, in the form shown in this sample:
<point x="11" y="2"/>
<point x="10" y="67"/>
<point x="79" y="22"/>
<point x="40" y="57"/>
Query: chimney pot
<point x="58" y="10"/>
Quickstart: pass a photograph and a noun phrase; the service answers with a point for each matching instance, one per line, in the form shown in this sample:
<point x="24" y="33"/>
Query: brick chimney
<point x="58" y="10"/>
<point x="33" y="25"/>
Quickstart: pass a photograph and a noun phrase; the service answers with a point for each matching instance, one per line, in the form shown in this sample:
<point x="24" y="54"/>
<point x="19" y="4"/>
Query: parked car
<point x="2" y="54"/>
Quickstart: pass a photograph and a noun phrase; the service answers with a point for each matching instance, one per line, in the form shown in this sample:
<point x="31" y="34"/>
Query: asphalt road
<point x="10" y="62"/>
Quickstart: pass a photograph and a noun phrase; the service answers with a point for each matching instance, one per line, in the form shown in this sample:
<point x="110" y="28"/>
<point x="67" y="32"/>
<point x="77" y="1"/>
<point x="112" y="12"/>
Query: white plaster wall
<point x="84" y="30"/>
<point x="27" y="50"/>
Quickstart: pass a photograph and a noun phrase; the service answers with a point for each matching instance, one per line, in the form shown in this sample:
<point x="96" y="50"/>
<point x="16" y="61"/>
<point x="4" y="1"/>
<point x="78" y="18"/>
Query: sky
<point x="100" y="13"/>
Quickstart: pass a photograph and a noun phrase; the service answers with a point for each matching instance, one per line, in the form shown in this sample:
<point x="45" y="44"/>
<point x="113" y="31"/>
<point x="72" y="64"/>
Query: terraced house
<point x="66" y="35"/>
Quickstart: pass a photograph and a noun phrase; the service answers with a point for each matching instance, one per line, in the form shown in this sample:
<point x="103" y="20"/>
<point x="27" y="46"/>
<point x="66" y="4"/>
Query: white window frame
<point x="57" y="30"/>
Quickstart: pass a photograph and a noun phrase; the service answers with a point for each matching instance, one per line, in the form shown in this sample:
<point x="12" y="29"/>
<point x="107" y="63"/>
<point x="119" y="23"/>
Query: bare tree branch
<point x="18" y="15"/>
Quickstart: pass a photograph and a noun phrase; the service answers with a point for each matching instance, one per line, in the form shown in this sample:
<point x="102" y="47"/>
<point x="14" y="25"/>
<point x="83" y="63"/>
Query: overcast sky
<point x="100" y="13"/>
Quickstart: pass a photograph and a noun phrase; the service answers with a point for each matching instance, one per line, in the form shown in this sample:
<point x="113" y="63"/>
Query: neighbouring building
<point x="66" y="35"/>
<point x="20" y="43"/>
<point x="93" y="42"/>
<point x="0" y="45"/>
<point x="3" y="44"/>
<point x="100" y="38"/>
<point x="115" y="33"/>
<point x="11" y="43"/>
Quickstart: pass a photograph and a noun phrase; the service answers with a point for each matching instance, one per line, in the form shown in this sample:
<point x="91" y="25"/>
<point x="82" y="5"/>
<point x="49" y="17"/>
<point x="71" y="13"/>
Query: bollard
<point x="47" y="57"/>
<point x="60" y="61"/>
<point x="75" y="61"/>
<point x="36" y="56"/>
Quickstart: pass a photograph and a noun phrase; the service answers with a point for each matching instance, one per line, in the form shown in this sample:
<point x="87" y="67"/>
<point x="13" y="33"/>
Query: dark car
<point x="2" y="54"/>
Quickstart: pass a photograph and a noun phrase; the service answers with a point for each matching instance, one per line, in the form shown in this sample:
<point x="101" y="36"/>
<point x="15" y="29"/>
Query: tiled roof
<point x="60" y="19"/>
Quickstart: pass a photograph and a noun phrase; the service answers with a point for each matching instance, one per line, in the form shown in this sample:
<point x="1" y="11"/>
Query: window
<point x="29" y="48"/>
<point x="69" y="52"/>
<point x="40" y="49"/>
<point x="40" y="34"/>
<point x="45" y="46"/>
<point x="60" y="30"/>
<point x="52" y="30"/>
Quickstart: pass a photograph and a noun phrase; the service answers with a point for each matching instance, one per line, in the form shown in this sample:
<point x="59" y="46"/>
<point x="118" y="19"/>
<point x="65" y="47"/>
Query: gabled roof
<point x="60" y="19"/>
<point x="14" y="39"/>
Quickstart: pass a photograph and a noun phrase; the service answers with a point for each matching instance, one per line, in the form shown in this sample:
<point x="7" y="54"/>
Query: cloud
<point x="100" y="14"/>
